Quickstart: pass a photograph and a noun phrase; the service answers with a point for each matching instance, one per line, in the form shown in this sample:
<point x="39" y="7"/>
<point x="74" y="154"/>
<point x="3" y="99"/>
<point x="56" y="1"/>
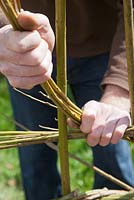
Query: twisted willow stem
<point x="50" y="86"/>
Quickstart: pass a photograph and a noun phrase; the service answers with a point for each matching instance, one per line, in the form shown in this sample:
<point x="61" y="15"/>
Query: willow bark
<point x="129" y="37"/>
<point x="61" y="81"/>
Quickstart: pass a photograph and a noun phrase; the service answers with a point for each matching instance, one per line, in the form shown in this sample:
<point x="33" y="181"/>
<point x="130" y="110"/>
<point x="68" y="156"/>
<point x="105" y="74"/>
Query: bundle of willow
<point x="10" y="139"/>
<point x="11" y="8"/>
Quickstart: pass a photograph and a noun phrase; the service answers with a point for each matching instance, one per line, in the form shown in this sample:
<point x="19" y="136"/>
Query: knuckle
<point x="46" y="19"/>
<point x="6" y="32"/>
<point x="118" y="133"/>
<point x="36" y="58"/>
<point x="91" y="142"/>
<point x="92" y="103"/>
<point x="29" y="41"/>
<point x="17" y="84"/>
<point x="114" y="141"/>
<point x="46" y="23"/>
<point x="4" y="70"/>
<point x="103" y="144"/>
<point x="87" y="115"/>
<point x="39" y="54"/>
<point x="106" y="137"/>
<point x="89" y="118"/>
<point x="21" y="47"/>
<point x="47" y="76"/>
<point x="28" y="87"/>
<point x="13" y="82"/>
<point x="83" y="130"/>
<point x="41" y="70"/>
<point x="92" y="117"/>
<point x="36" y="35"/>
<point x="93" y="137"/>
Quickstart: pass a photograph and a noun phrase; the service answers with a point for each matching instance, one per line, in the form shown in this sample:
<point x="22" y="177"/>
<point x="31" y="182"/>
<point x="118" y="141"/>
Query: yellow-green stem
<point x="129" y="35"/>
<point x="61" y="81"/>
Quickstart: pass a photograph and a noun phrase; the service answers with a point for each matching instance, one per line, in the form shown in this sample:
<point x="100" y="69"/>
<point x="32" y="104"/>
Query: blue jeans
<point x="41" y="179"/>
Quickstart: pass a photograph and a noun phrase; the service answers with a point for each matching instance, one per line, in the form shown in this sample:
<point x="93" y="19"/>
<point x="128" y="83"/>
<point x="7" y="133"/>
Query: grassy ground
<point x="10" y="178"/>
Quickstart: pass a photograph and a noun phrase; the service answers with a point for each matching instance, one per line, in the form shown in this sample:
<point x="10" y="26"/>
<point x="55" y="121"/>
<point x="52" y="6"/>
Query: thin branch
<point x="48" y="128"/>
<point x="34" y="98"/>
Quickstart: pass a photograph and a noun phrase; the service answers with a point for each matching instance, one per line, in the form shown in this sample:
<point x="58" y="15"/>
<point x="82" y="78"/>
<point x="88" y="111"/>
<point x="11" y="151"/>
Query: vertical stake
<point x="129" y="34"/>
<point x="61" y="81"/>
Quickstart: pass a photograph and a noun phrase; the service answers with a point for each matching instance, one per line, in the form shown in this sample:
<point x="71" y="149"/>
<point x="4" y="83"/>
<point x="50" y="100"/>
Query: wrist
<point x="116" y="96"/>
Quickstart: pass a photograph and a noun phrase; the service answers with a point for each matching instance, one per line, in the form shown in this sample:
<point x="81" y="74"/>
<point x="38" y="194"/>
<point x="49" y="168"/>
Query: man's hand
<point x="25" y="57"/>
<point x="105" y="122"/>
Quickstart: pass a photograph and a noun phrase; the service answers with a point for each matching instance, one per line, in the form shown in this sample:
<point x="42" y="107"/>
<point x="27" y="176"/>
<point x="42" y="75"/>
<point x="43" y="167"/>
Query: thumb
<point x="30" y="21"/>
<point x="34" y="21"/>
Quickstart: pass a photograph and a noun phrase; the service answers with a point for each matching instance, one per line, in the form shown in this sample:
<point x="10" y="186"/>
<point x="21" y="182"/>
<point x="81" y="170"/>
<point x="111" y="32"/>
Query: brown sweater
<point x="93" y="27"/>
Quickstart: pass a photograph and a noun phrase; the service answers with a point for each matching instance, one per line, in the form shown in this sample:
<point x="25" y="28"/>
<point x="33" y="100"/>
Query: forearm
<point x="117" y="73"/>
<point x="116" y="96"/>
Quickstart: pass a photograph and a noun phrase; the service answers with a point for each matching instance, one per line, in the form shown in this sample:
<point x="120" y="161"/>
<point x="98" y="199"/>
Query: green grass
<point x="81" y="176"/>
<point x="10" y="178"/>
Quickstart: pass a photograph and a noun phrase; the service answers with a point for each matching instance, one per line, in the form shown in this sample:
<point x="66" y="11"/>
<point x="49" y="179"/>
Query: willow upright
<point x="62" y="83"/>
<point x="129" y="37"/>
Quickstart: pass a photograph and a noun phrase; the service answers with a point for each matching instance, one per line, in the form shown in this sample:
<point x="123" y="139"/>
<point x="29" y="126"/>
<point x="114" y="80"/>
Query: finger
<point x="93" y="138"/>
<point x="10" y="69"/>
<point x="88" y="116"/>
<point x="22" y="41"/>
<point x="29" y="82"/>
<point x="119" y="131"/>
<point x="31" y="21"/>
<point x="107" y="133"/>
<point x="32" y="58"/>
<point x="71" y="123"/>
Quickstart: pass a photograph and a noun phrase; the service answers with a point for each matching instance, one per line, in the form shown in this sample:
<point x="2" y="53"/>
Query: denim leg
<point x="113" y="159"/>
<point x="40" y="176"/>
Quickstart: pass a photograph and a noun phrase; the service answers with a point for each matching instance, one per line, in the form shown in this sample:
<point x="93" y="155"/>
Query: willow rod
<point x="129" y="36"/>
<point x="60" y="22"/>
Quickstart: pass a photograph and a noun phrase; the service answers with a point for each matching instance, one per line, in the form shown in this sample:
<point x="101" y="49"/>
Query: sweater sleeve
<point x="117" y="73"/>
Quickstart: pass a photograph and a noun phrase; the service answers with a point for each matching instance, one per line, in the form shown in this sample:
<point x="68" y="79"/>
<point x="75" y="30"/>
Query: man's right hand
<point x="26" y="57"/>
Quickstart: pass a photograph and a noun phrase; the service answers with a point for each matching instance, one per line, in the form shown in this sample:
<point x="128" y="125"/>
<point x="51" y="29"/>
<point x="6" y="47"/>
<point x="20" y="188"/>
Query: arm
<point x="117" y="73"/>
<point x="25" y="57"/>
<point x="105" y="122"/>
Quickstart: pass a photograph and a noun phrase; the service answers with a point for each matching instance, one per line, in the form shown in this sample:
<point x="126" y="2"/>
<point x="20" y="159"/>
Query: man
<point x="96" y="55"/>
